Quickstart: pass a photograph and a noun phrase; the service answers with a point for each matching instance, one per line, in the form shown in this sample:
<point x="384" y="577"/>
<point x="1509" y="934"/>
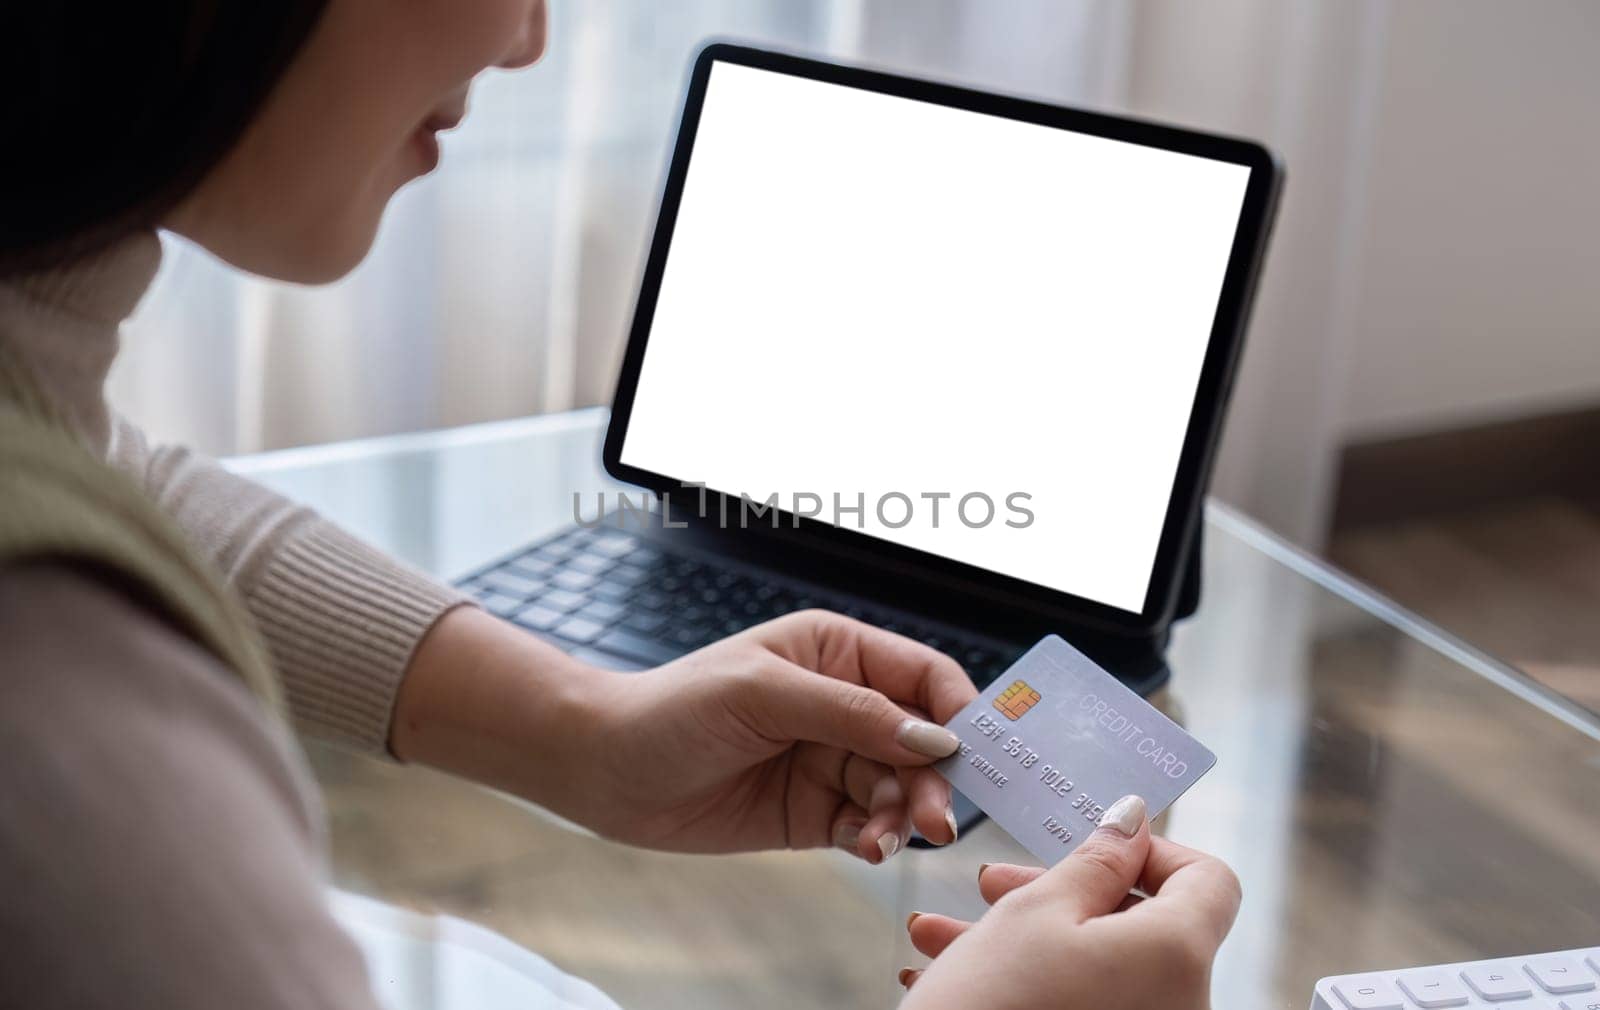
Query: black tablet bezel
<point x="1210" y="396"/>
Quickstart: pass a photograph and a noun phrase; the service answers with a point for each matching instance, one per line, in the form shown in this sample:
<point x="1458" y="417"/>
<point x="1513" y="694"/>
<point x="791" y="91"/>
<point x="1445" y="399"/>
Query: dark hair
<point x="114" y="110"/>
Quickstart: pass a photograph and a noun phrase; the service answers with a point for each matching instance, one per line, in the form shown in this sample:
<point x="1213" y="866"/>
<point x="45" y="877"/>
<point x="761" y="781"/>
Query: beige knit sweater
<point x="340" y="618"/>
<point x="160" y="840"/>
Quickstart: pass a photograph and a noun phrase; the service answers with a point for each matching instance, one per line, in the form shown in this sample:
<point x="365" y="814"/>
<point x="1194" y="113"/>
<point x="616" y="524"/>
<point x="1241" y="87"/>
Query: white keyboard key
<point x="1430" y="988"/>
<point x="1368" y="992"/>
<point x="1559" y="974"/>
<point x="1556" y="980"/>
<point x="1495" y="983"/>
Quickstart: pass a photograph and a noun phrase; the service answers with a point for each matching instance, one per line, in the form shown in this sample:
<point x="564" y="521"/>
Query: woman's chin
<point x="423" y="148"/>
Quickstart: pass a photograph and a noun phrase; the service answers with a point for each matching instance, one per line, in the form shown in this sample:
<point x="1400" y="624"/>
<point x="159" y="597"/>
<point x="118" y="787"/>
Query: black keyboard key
<point x="500" y="604"/>
<point x="652" y="599"/>
<point x="533" y="566"/>
<point x="606" y="660"/>
<point x="610" y="591"/>
<point x="628" y="575"/>
<point x="557" y="551"/>
<point x="614" y="546"/>
<point x="645" y="556"/>
<point x="626" y="643"/>
<point x="560" y="599"/>
<point x="602" y="611"/>
<point x="645" y="622"/>
<point x="576" y="582"/>
<point x="579" y="629"/>
<point x="512" y="584"/>
<point x="539" y="617"/>
<point x="592" y="564"/>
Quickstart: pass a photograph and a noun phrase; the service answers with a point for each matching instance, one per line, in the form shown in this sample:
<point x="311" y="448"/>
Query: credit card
<point x="1055" y="740"/>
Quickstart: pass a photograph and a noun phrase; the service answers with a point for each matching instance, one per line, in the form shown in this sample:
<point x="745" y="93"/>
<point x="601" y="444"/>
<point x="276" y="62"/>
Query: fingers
<point x="1200" y="888"/>
<point x="1095" y="879"/>
<point x="904" y="670"/>
<point x="931" y="934"/>
<point x="792" y="703"/>
<point x="996" y="880"/>
<point x="929" y="800"/>
<point x="886" y="829"/>
<point x="895" y="802"/>
<point x="1129" y="902"/>
<point x="845" y="831"/>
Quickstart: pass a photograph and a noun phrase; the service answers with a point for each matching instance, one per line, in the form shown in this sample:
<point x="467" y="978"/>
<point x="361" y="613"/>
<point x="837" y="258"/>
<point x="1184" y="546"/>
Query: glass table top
<point x="1388" y="795"/>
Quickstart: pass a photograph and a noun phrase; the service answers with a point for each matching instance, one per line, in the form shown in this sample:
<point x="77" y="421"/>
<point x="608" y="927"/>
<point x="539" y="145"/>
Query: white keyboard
<point x="1565" y="980"/>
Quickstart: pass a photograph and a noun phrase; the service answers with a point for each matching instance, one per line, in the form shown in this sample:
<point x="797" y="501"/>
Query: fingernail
<point x="1124" y="816"/>
<point x="848" y="837"/>
<point x="906" y="976"/>
<point x="888" y="844"/>
<point x="913" y="917"/>
<point x="927" y="738"/>
<point x="950" y="819"/>
<point x="981" y="868"/>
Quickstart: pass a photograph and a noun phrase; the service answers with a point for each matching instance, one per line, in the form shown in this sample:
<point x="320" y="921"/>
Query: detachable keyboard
<point x="625" y="602"/>
<point x="1565" y="980"/>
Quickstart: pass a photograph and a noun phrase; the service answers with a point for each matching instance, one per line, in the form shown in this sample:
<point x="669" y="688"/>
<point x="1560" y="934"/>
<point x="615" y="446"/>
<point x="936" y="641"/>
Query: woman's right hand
<point x="1073" y="937"/>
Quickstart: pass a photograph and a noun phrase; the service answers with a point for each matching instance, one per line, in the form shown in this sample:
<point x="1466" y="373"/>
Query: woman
<point x="159" y="836"/>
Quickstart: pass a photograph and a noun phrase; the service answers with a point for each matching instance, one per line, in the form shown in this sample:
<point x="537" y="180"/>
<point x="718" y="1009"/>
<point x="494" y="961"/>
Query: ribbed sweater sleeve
<point x="341" y="619"/>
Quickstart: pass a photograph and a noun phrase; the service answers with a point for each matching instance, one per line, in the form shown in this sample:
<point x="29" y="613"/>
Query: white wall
<point x="1437" y="260"/>
<point x="1481" y="247"/>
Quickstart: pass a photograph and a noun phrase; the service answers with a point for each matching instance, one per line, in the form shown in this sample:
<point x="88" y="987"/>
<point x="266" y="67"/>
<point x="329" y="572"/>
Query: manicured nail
<point x="907" y="976"/>
<point x="913" y="917"/>
<point x="888" y="844"/>
<point x="1124" y="816"/>
<point x="848" y="838"/>
<point x="950" y="819"/>
<point x="927" y="738"/>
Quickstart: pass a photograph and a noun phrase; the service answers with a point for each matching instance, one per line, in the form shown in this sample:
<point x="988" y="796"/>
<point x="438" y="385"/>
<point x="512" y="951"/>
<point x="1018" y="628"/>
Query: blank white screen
<point x="867" y="294"/>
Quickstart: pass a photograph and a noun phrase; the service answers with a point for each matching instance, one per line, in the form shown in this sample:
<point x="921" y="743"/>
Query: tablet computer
<point x="977" y="346"/>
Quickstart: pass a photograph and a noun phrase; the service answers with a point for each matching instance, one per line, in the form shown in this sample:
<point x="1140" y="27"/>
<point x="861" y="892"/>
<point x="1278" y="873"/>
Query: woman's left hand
<point x="805" y="731"/>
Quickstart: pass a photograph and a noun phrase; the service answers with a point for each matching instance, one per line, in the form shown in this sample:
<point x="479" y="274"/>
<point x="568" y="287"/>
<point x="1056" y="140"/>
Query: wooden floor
<point x="1519" y="580"/>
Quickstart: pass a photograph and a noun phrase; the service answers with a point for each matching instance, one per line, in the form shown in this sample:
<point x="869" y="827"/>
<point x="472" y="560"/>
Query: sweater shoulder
<point x="157" y="827"/>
